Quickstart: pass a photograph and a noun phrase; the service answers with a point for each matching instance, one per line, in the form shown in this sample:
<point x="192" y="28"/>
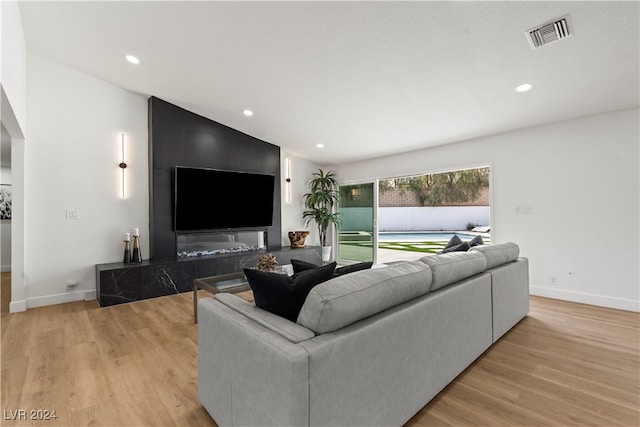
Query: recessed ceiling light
<point x="132" y="59"/>
<point x="524" y="87"/>
<point x="320" y="145"/>
<point x="247" y="113"/>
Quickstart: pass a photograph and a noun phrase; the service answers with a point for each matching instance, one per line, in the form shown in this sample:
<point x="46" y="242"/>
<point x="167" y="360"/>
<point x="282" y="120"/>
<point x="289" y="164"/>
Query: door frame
<point x="374" y="233"/>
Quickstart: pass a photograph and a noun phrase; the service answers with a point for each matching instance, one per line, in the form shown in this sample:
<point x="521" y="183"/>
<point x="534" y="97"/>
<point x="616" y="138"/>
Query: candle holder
<point x="127" y="252"/>
<point x="136" y="255"/>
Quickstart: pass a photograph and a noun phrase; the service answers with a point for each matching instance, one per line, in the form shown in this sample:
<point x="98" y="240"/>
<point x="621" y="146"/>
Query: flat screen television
<point x="212" y="199"/>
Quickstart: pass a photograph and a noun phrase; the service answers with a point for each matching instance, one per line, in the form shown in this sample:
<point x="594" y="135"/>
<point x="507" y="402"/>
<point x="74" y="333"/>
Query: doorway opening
<point x="408" y="217"/>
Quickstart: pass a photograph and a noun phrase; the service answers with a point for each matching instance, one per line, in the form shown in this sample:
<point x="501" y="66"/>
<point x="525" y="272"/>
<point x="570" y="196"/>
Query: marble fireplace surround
<point x="119" y="283"/>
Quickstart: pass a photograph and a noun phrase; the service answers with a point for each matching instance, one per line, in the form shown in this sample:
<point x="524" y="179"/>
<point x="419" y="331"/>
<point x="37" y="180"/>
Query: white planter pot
<point x="326" y="253"/>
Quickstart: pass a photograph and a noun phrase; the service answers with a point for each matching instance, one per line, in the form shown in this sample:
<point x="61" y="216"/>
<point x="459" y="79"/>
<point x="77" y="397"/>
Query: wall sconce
<point x="122" y="164"/>
<point x="287" y="186"/>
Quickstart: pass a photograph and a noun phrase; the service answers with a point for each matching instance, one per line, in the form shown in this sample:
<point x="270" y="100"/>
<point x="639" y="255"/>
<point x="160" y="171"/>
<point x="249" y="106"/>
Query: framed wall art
<point x="5" y="201"/>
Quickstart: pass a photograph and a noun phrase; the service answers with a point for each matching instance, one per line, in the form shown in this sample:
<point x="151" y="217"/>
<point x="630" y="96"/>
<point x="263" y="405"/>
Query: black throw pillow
<point x="453" y="242"/>
<point x="300" y="266"/>
<point x="352" y="268"/>
<point x="476" y="241"/>
<point x="284" y="295"/>
<point x="463" y="247"/>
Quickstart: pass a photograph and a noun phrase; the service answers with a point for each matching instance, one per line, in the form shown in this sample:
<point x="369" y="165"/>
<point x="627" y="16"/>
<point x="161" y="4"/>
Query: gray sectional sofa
<point x="369" y="348"/>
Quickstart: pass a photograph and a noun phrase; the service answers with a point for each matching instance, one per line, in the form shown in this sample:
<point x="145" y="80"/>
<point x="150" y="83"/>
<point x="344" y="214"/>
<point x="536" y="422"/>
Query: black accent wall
<point x="178" y="137"/>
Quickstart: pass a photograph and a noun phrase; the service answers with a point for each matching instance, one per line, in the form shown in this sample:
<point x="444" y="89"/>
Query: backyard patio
<point x="399" y="246"/>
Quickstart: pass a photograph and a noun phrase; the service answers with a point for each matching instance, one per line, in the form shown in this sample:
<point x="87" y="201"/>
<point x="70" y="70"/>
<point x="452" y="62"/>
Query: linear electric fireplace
<point x="216" y="243"/>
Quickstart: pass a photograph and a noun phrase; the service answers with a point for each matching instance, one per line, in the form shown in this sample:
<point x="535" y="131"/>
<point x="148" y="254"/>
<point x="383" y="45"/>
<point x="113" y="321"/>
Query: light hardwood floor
<point x="136" y="364"/>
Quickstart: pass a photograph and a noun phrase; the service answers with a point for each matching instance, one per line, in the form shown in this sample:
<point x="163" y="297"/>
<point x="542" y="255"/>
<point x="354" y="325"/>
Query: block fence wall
<point x="402" y="197"/>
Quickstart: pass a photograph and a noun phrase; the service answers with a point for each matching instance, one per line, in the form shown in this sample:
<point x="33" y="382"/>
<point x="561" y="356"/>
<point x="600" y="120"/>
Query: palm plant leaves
<point x="320" y="201"/>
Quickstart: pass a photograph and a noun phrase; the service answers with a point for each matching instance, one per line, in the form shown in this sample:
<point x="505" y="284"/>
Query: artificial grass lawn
<point x="426" y="247"/>
<point x="430" y="247"/>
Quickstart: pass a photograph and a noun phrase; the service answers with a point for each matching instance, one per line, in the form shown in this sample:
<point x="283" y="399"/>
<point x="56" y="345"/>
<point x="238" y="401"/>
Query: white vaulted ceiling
<point x="366" y="79"/>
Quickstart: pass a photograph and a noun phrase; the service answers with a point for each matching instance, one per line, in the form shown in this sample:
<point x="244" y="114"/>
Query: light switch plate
<point x="73" y="214"/>
<point x="524" y="210"/>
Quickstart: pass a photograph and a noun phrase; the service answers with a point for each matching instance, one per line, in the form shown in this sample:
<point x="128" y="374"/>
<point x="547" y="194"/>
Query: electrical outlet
<point x="71" y="284"/>
<point x="554" y="281"/>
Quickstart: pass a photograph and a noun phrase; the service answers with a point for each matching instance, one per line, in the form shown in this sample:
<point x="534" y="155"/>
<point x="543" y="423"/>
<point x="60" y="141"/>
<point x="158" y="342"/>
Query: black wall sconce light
<point x="122" y="164"/>
<point x="287" y="192"/>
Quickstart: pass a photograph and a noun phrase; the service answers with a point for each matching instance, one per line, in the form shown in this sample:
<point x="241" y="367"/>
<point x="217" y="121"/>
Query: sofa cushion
<point x="454" y="266"/>
<point x="300" y="266"/>
<point x="346" y="299"/>
<point x="284" y="295"/>
<point x="498" y="254"/>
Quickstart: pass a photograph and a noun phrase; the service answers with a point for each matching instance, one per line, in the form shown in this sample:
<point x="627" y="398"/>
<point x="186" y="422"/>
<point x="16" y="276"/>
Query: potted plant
<point x="320" y="202"/>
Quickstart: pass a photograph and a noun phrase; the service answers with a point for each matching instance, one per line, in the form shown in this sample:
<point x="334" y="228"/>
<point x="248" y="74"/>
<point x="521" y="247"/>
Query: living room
<point x="577" y="175"/>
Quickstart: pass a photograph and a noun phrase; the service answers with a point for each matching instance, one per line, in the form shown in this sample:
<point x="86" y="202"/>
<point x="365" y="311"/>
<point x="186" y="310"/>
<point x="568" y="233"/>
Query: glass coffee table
<point x="230" y="283"/>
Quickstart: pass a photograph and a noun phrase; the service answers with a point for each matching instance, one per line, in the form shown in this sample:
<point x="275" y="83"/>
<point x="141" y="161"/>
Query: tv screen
<point x="210" y="199"/>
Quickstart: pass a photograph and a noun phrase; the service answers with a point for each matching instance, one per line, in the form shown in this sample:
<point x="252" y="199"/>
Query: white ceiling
<point x="366" y="79"/>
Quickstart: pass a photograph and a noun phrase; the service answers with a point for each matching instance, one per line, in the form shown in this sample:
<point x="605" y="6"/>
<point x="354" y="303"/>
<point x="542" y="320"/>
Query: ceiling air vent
<point x="549" y="33"/>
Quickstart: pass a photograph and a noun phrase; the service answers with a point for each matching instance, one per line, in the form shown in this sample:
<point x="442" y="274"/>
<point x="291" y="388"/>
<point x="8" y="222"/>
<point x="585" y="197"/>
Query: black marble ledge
<point x="118" y="283"/>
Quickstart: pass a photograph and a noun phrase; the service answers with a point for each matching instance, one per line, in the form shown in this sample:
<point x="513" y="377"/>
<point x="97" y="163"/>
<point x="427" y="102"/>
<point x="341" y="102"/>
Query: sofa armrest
<point x="510" y="295"/>
<point x="248" y="374"/>
<point x="283" y="327"/>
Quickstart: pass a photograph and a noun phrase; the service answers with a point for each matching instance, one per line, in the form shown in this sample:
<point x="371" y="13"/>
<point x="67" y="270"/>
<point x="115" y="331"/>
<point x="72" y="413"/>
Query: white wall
<point x="12" y="60"/>
<point x="13" y="117"/>
<point x="72" y="153"/>
<point x="301" y="171"/>
<point x="5" y="175"/>
<point x="578" y="180"/>
<point x="432" y="218"/>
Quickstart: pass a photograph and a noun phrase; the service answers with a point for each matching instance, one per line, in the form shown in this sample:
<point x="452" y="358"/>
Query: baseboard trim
<point x="585" y="298"/>
<point x="17" y="306"/>
<point x="56" y="299"/>
<point x="5" y="268"/>
<point x="81" y="295"/>
<point x="561" y="294"/>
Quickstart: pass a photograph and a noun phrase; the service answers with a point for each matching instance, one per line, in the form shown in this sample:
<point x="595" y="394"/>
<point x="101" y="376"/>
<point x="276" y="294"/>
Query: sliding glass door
<point x="357" y="236"/>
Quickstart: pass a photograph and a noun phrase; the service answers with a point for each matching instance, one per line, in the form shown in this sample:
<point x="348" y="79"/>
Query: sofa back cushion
<point x="346" y="299"/>
<point x="452" y="267"/>
<point x="499" y="254"/>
